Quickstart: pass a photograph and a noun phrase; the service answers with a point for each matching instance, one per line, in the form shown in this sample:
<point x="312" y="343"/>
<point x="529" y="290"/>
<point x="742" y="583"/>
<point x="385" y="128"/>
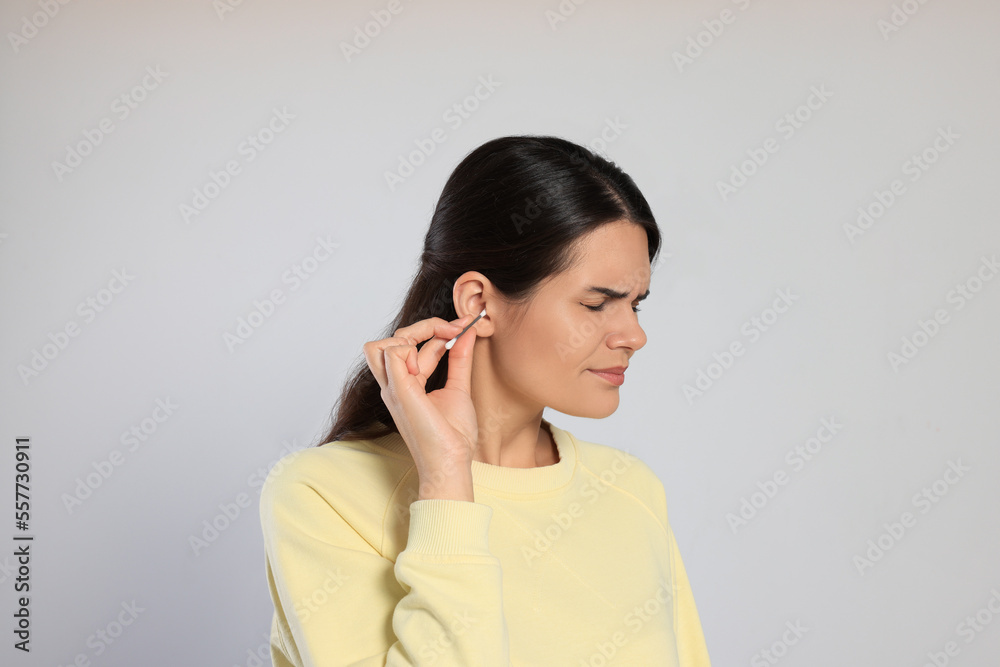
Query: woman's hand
<point x="440" y="428"/>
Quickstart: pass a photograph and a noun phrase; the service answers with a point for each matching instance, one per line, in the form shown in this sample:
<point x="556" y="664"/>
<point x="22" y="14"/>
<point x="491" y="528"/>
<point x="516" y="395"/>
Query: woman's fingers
<point x="460" y="362"/>
<point x="433" y="350"/>
<point x="435" y="328"/>
<point x="399" y="379"/>
<point x="424" y="329"/>
<point x="436" y="332"/>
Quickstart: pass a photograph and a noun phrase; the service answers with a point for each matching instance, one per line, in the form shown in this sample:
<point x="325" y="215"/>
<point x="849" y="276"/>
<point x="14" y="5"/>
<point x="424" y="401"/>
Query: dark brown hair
<point x="513" y="209"/>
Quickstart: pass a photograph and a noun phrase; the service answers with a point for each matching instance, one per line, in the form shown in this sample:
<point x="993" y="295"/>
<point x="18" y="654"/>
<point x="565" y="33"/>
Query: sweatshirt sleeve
<point x="691" y="648"/>
<point x="339" y="602"/>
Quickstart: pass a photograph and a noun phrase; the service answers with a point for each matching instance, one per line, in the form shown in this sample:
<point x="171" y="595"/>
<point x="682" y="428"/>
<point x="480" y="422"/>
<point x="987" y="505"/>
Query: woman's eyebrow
<point x="615" y="294"/>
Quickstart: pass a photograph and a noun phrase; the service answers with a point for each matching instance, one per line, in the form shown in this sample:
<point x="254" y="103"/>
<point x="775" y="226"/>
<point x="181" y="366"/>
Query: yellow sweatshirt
<point x="569" y="564"/>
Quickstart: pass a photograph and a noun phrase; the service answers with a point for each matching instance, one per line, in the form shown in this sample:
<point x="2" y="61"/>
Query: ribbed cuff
<point x="441" y="526"/>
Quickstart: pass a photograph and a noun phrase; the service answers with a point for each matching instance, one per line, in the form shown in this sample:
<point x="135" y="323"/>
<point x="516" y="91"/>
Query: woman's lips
<point x="616" y="379"/>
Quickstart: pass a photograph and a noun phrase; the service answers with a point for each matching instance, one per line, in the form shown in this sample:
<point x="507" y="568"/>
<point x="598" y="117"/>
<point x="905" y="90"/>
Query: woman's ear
<point x="471" y="292"/>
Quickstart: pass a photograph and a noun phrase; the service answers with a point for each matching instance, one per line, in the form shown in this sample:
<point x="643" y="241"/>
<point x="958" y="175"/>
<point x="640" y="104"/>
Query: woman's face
<point x="569" y="330"/>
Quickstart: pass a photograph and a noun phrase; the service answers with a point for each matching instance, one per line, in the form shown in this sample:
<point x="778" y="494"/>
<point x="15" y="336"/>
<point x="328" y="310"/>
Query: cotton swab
<point x="450" y="343"/>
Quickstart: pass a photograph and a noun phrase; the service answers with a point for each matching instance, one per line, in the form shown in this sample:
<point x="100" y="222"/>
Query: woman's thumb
<point x="460" y="362"/>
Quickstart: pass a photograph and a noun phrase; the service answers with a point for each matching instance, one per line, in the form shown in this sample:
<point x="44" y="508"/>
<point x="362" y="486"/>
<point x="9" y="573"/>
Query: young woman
<point x="443" y="520"/>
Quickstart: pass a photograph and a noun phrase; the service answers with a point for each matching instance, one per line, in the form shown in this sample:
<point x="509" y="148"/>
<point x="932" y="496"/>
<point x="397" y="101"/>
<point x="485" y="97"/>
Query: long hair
<point x="512" y="210"/>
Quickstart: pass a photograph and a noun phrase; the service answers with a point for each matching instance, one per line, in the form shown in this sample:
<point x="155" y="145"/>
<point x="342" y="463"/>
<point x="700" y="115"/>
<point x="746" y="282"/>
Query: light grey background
<point x="682" y="127"/>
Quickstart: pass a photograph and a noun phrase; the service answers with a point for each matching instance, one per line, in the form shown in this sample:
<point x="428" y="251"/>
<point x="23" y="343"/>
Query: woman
<point x="443" y="520"/>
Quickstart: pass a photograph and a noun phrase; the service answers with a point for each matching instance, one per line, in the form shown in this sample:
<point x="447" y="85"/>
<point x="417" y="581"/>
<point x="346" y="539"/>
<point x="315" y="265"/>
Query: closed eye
<point x="635" y="309"/>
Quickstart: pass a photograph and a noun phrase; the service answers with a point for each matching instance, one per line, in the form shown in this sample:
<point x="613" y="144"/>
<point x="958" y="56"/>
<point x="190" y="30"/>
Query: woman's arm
<point x="339" y="602"/>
